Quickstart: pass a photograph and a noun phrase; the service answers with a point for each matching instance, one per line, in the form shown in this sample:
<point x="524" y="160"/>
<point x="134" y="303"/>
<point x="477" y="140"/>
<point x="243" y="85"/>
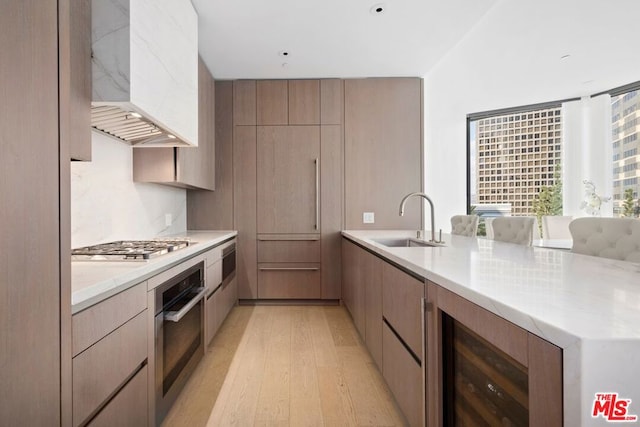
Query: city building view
<point x="625" y="127"/>
<point x="513" y="157"/>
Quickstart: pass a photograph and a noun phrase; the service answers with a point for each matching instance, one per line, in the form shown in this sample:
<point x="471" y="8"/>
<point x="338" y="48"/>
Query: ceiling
<point x="244" y="39"/>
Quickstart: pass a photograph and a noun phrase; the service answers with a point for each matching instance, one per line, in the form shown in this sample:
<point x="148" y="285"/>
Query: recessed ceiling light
<point x="136" y="115"/>
<point x="171" y="136"/>
<point x="377" y="9"/>
<point x="284" y="53"/>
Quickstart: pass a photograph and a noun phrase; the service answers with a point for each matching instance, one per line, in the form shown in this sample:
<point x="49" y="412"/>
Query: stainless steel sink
<point x="406" y="242"/>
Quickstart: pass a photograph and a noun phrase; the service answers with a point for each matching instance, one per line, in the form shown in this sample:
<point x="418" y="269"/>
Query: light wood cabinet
<point x="75" y="76"/>
<point x="213" y="210"/>
<point x="272" y="102"/>
<point x="36" y="289"/>
<point x="244" y="208"/>
<point x="373" y="300"/>
<point x="403" y="374"/>
<point x="402" y="296"/>
<point x="190" y="167"/>
<point x="304" y="102"/>
<point x="100" y="371"/>
<point x="353" y="291"/>
<point x="288" y="179"/>
<point x="383" y="151"/>
<point x="129" y="407"/>
<point x="100" y="367"/>
<point x="244" y="102"/>
<point x="331" y="101"/>
<point x="289" y="267"/>
<point x="331" y="203"/>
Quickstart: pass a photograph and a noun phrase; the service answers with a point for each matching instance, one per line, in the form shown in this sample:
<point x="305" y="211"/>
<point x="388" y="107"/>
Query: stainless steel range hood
<point x="145" y="71"/>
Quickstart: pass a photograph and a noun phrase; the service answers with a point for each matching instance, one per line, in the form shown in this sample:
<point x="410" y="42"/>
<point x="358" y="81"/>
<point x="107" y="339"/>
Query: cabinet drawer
<point x="95" y="322"/>
<point x="129" y="407"/>
<point x="401" y="305"/>
<point x="289" y="251"/>
<point x="101" y="369"/>
<point x="404" y="377"/>
<point x="289" y="280"/>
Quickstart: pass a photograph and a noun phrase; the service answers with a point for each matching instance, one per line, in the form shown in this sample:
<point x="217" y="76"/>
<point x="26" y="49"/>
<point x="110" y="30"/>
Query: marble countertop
<point x="588" y="306"/>
<point x="94" y="281"/>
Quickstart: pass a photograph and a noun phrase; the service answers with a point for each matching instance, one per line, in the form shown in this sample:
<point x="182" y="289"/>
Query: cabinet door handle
<point x="289" y="269"/>
<point x="317" y="163"/>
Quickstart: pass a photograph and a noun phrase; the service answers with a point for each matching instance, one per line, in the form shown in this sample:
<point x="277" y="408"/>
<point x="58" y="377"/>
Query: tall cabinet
<point x="288" y="202"/>
<point x="35" y="313"/>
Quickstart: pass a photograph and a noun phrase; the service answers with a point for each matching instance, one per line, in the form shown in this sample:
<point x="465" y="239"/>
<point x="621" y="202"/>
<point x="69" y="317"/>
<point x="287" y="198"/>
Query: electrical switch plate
<point x="368" y="218"/>
<point x="168" y="219"/>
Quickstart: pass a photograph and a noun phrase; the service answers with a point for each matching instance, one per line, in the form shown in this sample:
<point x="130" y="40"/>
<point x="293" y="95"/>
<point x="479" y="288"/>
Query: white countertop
<point x="586" y="305"/>
<point x="93" y="281"/>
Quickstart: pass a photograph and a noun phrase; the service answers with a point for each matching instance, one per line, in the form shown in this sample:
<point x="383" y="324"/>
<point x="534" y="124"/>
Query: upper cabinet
<point x="145" y="71"/>
<point x="304" y="102"/>
<point x="75" y="76"/>
<point x="186" y="167"/>
<point x="290" y="102"/>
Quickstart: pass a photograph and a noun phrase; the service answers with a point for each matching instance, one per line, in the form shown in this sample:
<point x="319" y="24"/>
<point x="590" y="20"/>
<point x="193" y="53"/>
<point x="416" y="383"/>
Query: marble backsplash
<point x="107" y="205"/>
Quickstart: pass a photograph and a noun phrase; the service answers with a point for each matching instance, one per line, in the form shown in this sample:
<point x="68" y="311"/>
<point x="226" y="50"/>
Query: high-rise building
<point x="517" y="154"/>
<point x="625" y="126"/>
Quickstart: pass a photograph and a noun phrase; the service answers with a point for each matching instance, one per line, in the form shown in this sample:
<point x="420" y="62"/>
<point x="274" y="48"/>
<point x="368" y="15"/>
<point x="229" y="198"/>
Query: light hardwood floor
<point x="286" y="366"/>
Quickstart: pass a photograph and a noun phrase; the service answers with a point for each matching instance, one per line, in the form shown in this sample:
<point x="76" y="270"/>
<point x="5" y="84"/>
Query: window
<point x="536" y="147"/>
<point x="625" y="122"/>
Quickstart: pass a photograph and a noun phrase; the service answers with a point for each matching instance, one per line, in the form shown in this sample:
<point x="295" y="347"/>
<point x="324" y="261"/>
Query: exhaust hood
<point x="145" y="71"/>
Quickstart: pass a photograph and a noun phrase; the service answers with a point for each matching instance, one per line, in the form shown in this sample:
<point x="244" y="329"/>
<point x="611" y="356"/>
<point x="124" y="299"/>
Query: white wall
<point x="512" y="58"/>
<point x="107" y="205"/>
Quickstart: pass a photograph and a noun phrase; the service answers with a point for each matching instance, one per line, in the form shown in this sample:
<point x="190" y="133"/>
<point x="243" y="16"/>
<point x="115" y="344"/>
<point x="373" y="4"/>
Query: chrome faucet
<point x="424" y="196"/>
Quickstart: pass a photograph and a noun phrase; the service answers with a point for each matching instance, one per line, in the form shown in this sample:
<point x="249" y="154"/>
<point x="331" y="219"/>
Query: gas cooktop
<point x="128" y="250"/>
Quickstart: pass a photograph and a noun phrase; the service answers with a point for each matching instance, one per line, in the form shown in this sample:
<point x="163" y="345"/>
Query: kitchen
<point x="83" y="203"/>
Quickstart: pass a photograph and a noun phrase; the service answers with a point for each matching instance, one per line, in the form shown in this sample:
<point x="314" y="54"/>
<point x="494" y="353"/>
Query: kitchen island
<point x="589" y="307"/>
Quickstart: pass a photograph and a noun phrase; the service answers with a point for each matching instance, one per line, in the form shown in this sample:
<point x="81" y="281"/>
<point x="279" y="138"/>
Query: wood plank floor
<point x="286" y="366"/>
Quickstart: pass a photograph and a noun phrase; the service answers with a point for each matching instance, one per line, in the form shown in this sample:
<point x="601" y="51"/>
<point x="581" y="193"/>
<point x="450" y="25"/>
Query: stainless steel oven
<point x="179" y="334"/>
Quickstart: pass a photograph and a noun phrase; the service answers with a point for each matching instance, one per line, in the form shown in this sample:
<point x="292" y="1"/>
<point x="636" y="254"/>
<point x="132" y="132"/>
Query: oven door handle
<point x="175" y="316"/>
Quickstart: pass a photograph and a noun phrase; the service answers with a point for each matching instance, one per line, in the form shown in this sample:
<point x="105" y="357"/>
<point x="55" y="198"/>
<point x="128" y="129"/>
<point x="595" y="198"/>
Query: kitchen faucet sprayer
<point x="424" y="196"/>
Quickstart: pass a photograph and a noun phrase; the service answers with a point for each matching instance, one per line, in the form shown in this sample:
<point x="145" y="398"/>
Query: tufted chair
<point x="464" y="225"/>
<point x="514" y="229"/>
<point x="616" y="238"/>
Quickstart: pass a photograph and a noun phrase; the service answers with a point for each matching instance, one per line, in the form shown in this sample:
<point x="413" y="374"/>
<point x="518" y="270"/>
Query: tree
<point x="628" y="208"/>
<point x="549" y="199"/>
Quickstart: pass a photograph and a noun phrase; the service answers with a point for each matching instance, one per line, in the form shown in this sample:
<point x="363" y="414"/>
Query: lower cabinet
<point x="110" y="353"/>
<point x="404" y="376"/>
<point x="448" y="361"/>
<point x="129" y="407"/>
<point x="289" y="267"/>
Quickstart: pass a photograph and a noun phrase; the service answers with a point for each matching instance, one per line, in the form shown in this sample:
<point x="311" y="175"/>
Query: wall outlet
<point x="368" y="217"/>
<point x="168" y="220"/>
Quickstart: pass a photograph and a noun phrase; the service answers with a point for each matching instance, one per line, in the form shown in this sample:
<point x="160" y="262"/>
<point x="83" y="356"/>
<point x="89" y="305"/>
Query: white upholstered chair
<point x="556" y="227"/>
<point x="513" y="229"/>
<point x="616" y="238"/>
<point x="464" y="225"/>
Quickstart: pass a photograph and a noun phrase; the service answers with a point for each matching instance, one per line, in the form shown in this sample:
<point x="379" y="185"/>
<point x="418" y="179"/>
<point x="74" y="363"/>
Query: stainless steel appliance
<point x="179" y="334"/>
<point x="128" y="250"/>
